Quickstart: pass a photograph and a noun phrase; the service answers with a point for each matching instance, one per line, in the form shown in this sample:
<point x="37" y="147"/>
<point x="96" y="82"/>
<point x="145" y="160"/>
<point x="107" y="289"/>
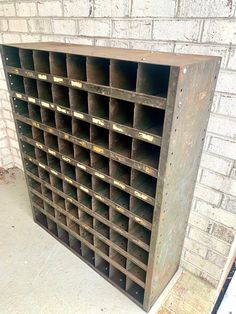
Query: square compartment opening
<point x="47" y="193"/>
<point x="135" y="290"/>
<point x="122" y="112"/>
<point x="86" y="235"/>
<point x="98" y="105"/>
<point x="100" y="162"/>
<point x="70" y="190"/>
<point x="44" y="175"/>
<point x="49" y="209"/>
<point x="118" y="258"/>
<point x="44" y="90"/>
<point x="56" y="182"/>
<point x="146" y="153"/>
<point x="40" y="217"/>
<point x="21" y="107"/>
<point x="41" y="61"/>
<point x="72" y="209"/>
<point x="120" y="172"/>
<point x="34" y="112"/>
<point x="84" y="178"/>
<point x="87" y="254"/>
<point x="98" y="70"/>
<point x="120" y="197"/>
<point x="26" y="59"/>
<point x="48" y="117"/>
<point x="101" y="187"/>
<point x="63" y="235"/>
<point x="76" y="67"/>
<point x="28" y="149"/>
<point x="119" y="220"/>
<point x="144" y="183"/>
<point x="60" y="201"/>
<point x="41" y="156"/>
<point x="63" y="122"/>
<point x="11" y="55"/>
<point x="66" y="148"/>
<point x="24" y="129"/>
<point x="117" y="277"/>
<point x="32" y="168"/>
<point x="141" y="233"/>
<point x="85" y="199"/>
<point x="149" y="119"/>
<point x="99" y="136"/>
<point x="100" y="208"/>
<point x="153" y="79"/>
<point x="121" y="144"/>
<point x="82" y="154"/>
<point x="60" y="95"/>
<point x="57" y="63"/>
<point x="51" y="141"/>
<point x="38" y="135"/>
<point x="52" y="226"/>
<point x="102" y="228"/>
<point x="136" y="271"/>
<point x="78" y="100"/>
<point x="75" y="244"/>
<point x="124" y="74"/>
<point x="68" y="170"/>
<point x="81" y="129"/>
<point x="16" y="83"/>
<point x="73" y="226"/>
<point x="35" y="185"/>
<point x="30" y="87"/>
<point x="101" y="264"/>
<point x="37" y="200"/>
<point x="118" y="239"/>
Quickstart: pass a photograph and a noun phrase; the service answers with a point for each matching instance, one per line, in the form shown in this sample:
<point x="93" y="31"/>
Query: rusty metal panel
<point x="111" y="142"/>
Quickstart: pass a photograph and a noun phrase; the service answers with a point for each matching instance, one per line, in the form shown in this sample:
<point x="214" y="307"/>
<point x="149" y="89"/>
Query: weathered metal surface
<point x="111" y="142"/>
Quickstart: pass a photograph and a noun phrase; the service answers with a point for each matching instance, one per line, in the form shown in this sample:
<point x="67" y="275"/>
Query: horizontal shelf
<point x="128" y="95"/>
<point x="80" y="115"/>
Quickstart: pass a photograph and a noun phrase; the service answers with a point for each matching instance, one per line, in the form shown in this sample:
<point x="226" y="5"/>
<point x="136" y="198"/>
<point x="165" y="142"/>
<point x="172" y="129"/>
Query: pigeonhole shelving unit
<point x="111" y="141"/>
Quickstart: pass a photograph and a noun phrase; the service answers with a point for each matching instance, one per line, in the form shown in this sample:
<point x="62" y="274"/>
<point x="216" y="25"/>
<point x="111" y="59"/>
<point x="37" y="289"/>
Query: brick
<point x="229" y="203"/>
<point x="10" y="125"/>
<point x="223" y="233"/>
<point x="112" y="43"/>
<point x="5" y="152"/>
<point x="203" y="8"/>
<point x="195" y="247"/>
<point x="3" y="84"/>
<point x="204" y="50"/>
<point x="208" y="241"/>
<point x="4" y="142"/>
<point x="219" y="182"/>
<point x="190" y="267"/>
<point x="65" y="27"/>
<point x="94" y="27"/>
<point x="52" y="37"/>
<point x="208" y="195"/>
<point x="3" y="25"/>
<point x="8" y="9"/>
<point x="216" y="214"/>
<point x="17" y="25"/>
<point x="226" y="148"/>
<point x="40" y="26"/>
<point x="153" y="8"/>
<point x="14" y="143"/>
<point x="8" y="161"/>
<point x="219" y="31"/>
<point x="75" y="8"/>
<point x="50" y="8"/>
<point x="232" y="59"/>
<point x="184" y="30"/>
<point x="30" y="38"/>
<point x="111" y="8"/>
<point x="199" y="221"/>
<point x="132" y="29"/>
<point x="215" y="163"/>
<point x="216" y="258"/>
<point x="205" y="265"/>
<point x="227" y="106"/>
<point x="152" y="45"/>
<point x="213" y="282"/>
<point x="7" y="114"/>
<point x="26" y="9"/>
<point x="226" y="82"/>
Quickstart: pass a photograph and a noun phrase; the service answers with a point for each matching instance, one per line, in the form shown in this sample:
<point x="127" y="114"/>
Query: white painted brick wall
<point x="180" y="26"/>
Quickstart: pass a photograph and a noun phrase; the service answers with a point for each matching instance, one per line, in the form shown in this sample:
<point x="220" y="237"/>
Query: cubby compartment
<point x="141" y="233"/>
<point x="117" y="277"/>
<point x="63" y="123"/>
<point x="11" y="56"/>
<point x="149" y="119"/>
<point x="26" y="59"/>
<point x="144" y="182"/>
<point x="24" y="129"/>
<point x="73" y="226"/>
<point x="135" y="290"/>
<point x="37" y="200"/>
<point x="136" y="271"/>
<point x="54" y="162"/>
<point x="123" y="74"/>
<point x="30" y="87"/>
<point x="76" y="67"/>
<point x="78" y="100"/>
<point x="34" y="112"/>
<point x="28" y="149"/>
<point x="44" y="91"/>
<point x="63" y="234"/>
<point x="121" y="144"/>
<point x="81" y="129"/>
<point x="146" y="153"/>
<point x="47" y="193"/>
<point x="98" y="70"/>
<point x="72" y="209"/>
<point x="49" y="209"/>
<point x="41" y="156"/>
<point x="21" y="107"/>
<point x="118" y="258"/>
<point x="102" y="228"/>
<point x="101" y="264"/>
<point x="52" y="226"/>
<point x="99" y="136"/>
<point x="40" y="217"/>
<point x="60" y="95"/>
<point x="16" y="83"/>
<point x="137" y="252"/>
<point x="82" y="154"/>
<point x="153" y="79"/>
<point x="100" y="208"/>
<point x="56" y="182"/>
<point x="118" y="239"/>
<point x="68" y="170"/>
<point x="87" y="253"/>
<point x="59" y="201"/>
<point x="38" y="135"/>
<point x="84" y="199"/>
<point x="122" y="112"/>
<point x="100" y="163"/>
<point x="66" y="148"/>
<point x="98" y="105"/>
<point x="32" y="168"/>
<point x="75" y="244"/>
<point x="57" y="63"/>
<point x="83" y="178"/>
<point x="119" y="220"/>
<point x="51" y="140"/>
<point x="120" y="197"/>
<point x="101" y="187"/>
<point x="35" y="185"/>
<point x="44" y="175"/>
<point x="70" y="190"/>
<point x="41" y="61"/>
<point x="120" y="172"/>
<point x="48" y="117"/>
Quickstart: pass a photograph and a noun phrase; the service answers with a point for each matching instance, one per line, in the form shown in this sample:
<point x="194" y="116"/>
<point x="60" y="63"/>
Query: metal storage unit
<point x="111" y="141"/>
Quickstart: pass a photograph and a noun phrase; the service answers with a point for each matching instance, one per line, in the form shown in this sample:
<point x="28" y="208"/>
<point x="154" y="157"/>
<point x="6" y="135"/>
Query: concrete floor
<point x="40" y="275"/>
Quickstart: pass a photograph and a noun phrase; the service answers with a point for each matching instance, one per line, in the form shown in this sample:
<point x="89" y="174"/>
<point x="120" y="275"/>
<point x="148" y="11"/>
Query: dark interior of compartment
<point x="122" y="111"/>
<point x="41" y="61"/>
<point x="78" y="100"/>
<point x="11" y="55"/>
<point x="121" y="144"/>
<point x="31" y="87"/>
<point x="146" y="153"/>
<point x="44" y="91"/>
<point x="98" y="70"/>
<point x="16" y="83"/>
<point x="26" y="59"/>
<point x="98" y="105"/>
<point x="57" y="62"/>
<point x="21" y="107"/>
<point x="60" y="95"/>
<point x="124" y="74"/>
<point x="76" y="67"/>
